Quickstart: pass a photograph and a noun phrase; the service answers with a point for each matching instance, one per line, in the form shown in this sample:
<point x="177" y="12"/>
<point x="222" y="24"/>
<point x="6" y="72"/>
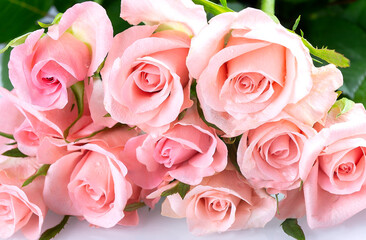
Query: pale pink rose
<point x="27" y="140"/>
<point x="188" y="151"/>
<point x="91" y="179"/>
<point x="8" y="123"/>
<point x="51" y="123"/>
<point x="333" y="167"/>
<point x="182" y="14"/>
<point x="145" y="77"/>
<point x="221" y="203"/>
<point x="22" y="208"/>
<point x="269" y="156"/>
<point x="248" y="69"/>
<point x="44" y="66"/>
<point x="314" y="107"/>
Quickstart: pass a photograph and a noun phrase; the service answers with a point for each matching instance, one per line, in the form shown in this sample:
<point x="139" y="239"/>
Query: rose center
<point x="4" y="210"/>
<point x="219" y="205"/>
<point x="50" y="80"/>
<point x="147" y="78"/>
<point x="169" y="152"/>
<point x="345" y="168"/>
<point x="249" y="82"/>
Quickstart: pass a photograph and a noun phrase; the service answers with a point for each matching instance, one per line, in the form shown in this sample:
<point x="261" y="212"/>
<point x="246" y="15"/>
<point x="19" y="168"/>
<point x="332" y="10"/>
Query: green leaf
<point x="63" y="5"/>
<point x="293" y="229"/>
<point x="343" y="105"/>
<point x="347" y="38"/>
<point x="182" y="114"/>
<point x="296" y="23"/>
<point x="19" y="16"/>
<point x="5" y="81"/>
<point x="328" y="55"/>
<point x="107" y="115"/>
<point x="52" y="232"/>
<point x="223" y="3"/>
<point x="213" y="8"/>
<point x="15" y="42"/>
<point x="15" y="152"/>
<point x="78" y="90"/>
<point x="92" y="134"/>
<point x="113" y="9"/>
<point x="6" y="135"/>
<point x="56" y="20"/>
<point x="42" y="171"/>
<point x="181" y="188"/>
<point x="134" y="206"/>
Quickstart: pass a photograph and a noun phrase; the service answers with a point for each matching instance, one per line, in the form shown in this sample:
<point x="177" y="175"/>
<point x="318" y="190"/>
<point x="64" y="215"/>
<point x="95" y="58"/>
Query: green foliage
<point x="212" y="7"/>
<point x="342" y="106"/>
<point x="42" y="171"/>
<point x="328" y="55"/>
<point x="113" y="10"/>
<point x="19" y="16"/>
<point x="78" y="90"/>
<point x="344" y="28"/>
<point x="52" y="232"/>
<point x="293" y="229"/>
<point x="15" y="42"/>
<point x="5" y="81"/>
<point x="6" y="135"/>
<point x="56" y="20"/>
<point x="223" y="3"/>
<point x="294" y="27"/>
<point x="181" y="188"/>
<point x="15" y="152"/>
<point x="134" y="206"/>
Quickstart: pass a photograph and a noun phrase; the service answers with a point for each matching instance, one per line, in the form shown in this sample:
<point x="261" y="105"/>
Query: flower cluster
<point x="218" y="117"/>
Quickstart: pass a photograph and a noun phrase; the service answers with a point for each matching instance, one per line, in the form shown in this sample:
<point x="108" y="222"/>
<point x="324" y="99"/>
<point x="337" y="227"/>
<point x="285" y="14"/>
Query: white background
<point x="153" y="226"/>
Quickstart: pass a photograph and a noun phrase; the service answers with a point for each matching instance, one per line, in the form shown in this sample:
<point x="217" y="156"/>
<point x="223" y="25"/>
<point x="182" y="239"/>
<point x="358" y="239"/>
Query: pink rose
<point x="248" y="69"/>
<point x="9" y="124"/>
<point x="90" y="178"/>
<point x="51" y="123"/>
<point x="188" y="151"/>
<point x="27" y="140"/>
<point x="269" y="156"/>
<point x="44" y="66"/>
<point x="22" y="208"/>
<point x="145" y="78"/>
<point x="333" y="167"/>
<point x="221" y="203"/>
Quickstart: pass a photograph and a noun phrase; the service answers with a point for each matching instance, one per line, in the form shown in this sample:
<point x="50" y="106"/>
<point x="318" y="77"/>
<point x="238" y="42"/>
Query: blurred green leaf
<point x="56" y="20"/>
<point x="5" y="81"/>
<point x="52" y="232"/>
<point x="181" y="188"/>
<point x="42" y="171"/>
<point x="134" y="206"/>
<point x="113" y="10"/>
<point x="293" y="229"/>
<point x="348" y="39"/>
<point x="343" y="105"/>
<point x="78" y="90"/>
<point x="18" y="16"/>
<point x="223" y="3"/>
<point x="16" y="153"/>
<point x="15" y="42"/>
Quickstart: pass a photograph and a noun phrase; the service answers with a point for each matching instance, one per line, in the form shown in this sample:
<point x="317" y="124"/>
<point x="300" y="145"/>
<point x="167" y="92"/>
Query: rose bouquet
<point x="229" y="121"/>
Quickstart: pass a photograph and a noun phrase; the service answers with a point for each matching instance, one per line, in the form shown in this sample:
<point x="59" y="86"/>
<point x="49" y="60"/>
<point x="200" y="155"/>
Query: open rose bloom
<point x="217" y="117"/>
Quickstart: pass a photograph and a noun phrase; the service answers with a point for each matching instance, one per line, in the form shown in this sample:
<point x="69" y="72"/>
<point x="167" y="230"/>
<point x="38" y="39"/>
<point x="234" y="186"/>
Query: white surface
<point x="154" y="226"/>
